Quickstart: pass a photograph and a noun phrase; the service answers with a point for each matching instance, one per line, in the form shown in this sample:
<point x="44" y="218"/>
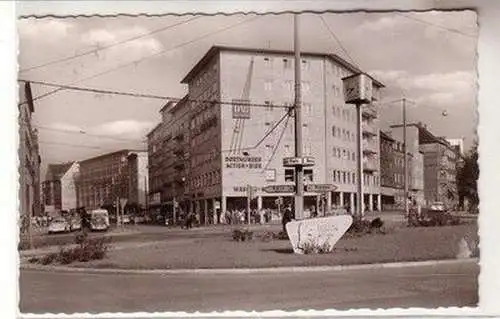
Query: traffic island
<point x="399" y="245"/>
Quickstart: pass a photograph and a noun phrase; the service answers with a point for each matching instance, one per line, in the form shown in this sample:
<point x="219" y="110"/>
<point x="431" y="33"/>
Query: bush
<point x="242" y="235"/>
<point x="88" y="249"/>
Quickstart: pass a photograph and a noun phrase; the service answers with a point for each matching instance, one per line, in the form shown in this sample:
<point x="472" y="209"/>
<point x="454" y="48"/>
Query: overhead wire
<point x="89" y="52"/>
<point x="136" y="62"/>
<point x="141" y="95"/>
<point x="279" y="140"/>
<point x="436" y="25"/>
<point x="338" y="41"/>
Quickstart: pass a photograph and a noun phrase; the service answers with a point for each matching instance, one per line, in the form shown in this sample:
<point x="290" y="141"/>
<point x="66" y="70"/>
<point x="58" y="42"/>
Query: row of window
<point x="344" y="134"/>
<point x="288" y="63"/>
<point x="206" y="179"/>
<point x="343" y="153"/>
<point x="349" y="177"/>
<point x="290" y="175"/>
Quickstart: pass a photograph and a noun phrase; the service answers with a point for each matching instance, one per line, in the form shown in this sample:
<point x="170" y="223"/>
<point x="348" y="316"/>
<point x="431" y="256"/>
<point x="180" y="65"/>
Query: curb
<point x="298" y="269"/>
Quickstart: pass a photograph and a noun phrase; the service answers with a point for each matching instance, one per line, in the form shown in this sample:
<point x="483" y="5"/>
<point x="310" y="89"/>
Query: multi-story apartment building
<point x="29" y="155"/>
<point x="392" y="172"/>
<point x="236" y="96"/>
<point x="58" y="188"/>
<point x="439" y="164"/>
<point x="109" y="179"/>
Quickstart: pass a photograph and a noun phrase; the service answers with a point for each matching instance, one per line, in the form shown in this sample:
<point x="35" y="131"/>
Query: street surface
<point x="423" y="286"/>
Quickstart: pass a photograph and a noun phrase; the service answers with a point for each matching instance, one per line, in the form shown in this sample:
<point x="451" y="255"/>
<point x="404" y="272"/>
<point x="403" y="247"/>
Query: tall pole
<point x="299" y="172"/>
<point x="359" y="144"/>
<point x="405" y="159"/>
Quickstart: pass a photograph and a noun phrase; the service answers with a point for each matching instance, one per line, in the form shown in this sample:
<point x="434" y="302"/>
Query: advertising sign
<point x="241" y="109"/>
<point x="242" y="162"/>
<point x="320" y="188"/>
<point x="279" y="189"/>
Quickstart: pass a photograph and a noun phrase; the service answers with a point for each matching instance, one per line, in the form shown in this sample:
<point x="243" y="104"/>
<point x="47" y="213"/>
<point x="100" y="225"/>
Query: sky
<point x="428" y="57"/>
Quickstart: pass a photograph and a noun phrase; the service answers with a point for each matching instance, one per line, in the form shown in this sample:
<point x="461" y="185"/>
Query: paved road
<point x="423" y="286"/>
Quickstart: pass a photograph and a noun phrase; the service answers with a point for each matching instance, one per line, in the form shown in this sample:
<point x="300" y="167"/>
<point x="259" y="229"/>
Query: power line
<point x="140" y="95"/>
<point x="338" y="41"/>
<point x="68" y="58"/>
<point x="279" y="140"/>
<point x="147" y="57"/>
<point x="83" y="133"/>
<point x="436" y="25"/>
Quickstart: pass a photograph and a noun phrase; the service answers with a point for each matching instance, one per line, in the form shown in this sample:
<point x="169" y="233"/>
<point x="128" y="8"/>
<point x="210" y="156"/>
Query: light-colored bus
<point x="99" y="219"/>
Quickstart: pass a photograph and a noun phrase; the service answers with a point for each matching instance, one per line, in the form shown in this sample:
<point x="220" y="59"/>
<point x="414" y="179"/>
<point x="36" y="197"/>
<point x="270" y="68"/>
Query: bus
<point x="99" y="219"/>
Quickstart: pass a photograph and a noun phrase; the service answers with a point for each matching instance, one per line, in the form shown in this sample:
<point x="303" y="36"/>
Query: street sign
<point x="217" y="205"/>
<point x="298" y="161"/>
<point x="123" y="202"/>
<point x="292" y="161"/>
<point x="279" y="189"/>
<point x="320" y="188"/>
<point x="308" y="161"/>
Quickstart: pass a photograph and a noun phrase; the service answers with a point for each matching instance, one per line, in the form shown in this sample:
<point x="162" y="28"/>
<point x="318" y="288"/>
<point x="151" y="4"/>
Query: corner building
<point x="228" y="150"/>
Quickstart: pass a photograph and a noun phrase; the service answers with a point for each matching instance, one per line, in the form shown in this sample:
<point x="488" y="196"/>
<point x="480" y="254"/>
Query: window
<point x="334" y="176"/>
<point x="338" y="152"/>
<point x="307" y="108"/>
<point x="288" y="85"/>
<point x="268" y="85"/>
<point x="306" y="86"/>
<point x="268" y="62"/>
<point x="354" y="178"/>
<point x="344" y="154"/>
<point x="344" y="177"/>
<point x="305" y="129"/>
<point x="307" y="149"/>
<point x="308" y="175"/>
<point x="334" y="151"/>
<point x="287" y="150"/>
<point x="334" y="131"/>
<point x="305" y="65"/>
<point x="348" y="178"/>
<point x="270" y="175"/>
<point x="287" y="64"/>
<point x="289" y="175"/>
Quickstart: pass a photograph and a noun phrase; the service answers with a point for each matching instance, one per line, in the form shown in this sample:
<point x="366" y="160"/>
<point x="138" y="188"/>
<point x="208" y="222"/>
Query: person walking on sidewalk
<point x="287" y="217"/>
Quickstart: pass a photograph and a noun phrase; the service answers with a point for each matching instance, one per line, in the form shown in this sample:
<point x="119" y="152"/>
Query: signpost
<point x="279" y="188"/>
<point x="320" y="188"/>
<point x="298" y="161"/>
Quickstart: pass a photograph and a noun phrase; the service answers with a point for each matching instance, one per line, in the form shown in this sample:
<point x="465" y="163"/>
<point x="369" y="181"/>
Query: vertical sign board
<point x="241" y="109"/>
<point x="358" y="89"/>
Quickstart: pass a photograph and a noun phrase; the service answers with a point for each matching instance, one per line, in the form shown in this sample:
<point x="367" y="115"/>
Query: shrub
<point x="325" y="248"/>
<point x="88" y="249"/>
<point x="308" y="248"/>
<point x="242" y="235"/>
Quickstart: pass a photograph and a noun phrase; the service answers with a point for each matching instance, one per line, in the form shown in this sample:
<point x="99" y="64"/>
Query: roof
<point x="154" y="129"/>
<point x="105" y="155"/>
<point x="216" y="49"/>
<point x="56" y="171"/>
<point x="386" y="136"/>
<point x="425" y="136"/>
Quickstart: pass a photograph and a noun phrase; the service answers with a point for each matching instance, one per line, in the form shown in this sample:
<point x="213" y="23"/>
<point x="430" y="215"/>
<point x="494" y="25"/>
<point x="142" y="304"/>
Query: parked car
<point x="59" y="225"/>
<point x="437" y="214"/>
<point x="75" y="223"/>
<point x="99" y="220"/>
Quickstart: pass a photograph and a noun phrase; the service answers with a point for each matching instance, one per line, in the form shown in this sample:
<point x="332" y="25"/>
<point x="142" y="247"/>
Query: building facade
<point x="439" y="165"/>
<point x="112" y="180"/>
<point x="392" y="172"/>
<point x="29" y="155"/>
<point x="58" y="188"/>
<point x="227" y="148"/>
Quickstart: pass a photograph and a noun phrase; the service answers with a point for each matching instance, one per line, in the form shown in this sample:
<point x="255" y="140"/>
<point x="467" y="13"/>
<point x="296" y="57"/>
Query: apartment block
<point x="227" y="151"/>
<point x="439" y="159"/>
<point x="28" y="155"/>
<point x="108" y="179"/>
<point x="58" y="188"/>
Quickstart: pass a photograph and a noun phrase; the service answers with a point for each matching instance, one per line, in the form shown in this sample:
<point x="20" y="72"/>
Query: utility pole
<point x="405" y="160"/>
<point x="299" y="170"/>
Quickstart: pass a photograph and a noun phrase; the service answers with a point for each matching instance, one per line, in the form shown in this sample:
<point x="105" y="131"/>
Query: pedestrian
<point x="287" y="217"/>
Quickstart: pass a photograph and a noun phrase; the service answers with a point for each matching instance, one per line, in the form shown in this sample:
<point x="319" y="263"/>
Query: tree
<point x="467" y="176"/>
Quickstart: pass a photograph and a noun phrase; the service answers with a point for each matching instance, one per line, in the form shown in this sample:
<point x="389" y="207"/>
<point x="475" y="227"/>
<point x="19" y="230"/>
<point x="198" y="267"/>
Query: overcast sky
<point x="428" y="57"/>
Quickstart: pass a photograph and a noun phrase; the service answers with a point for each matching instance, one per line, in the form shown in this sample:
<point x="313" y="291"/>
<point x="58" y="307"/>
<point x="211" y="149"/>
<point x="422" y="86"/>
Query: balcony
<point x="369" y="130"/>
<point x="370" y="147"/>
<point x="369" y="111"/>
<point x="370" y="165"/>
